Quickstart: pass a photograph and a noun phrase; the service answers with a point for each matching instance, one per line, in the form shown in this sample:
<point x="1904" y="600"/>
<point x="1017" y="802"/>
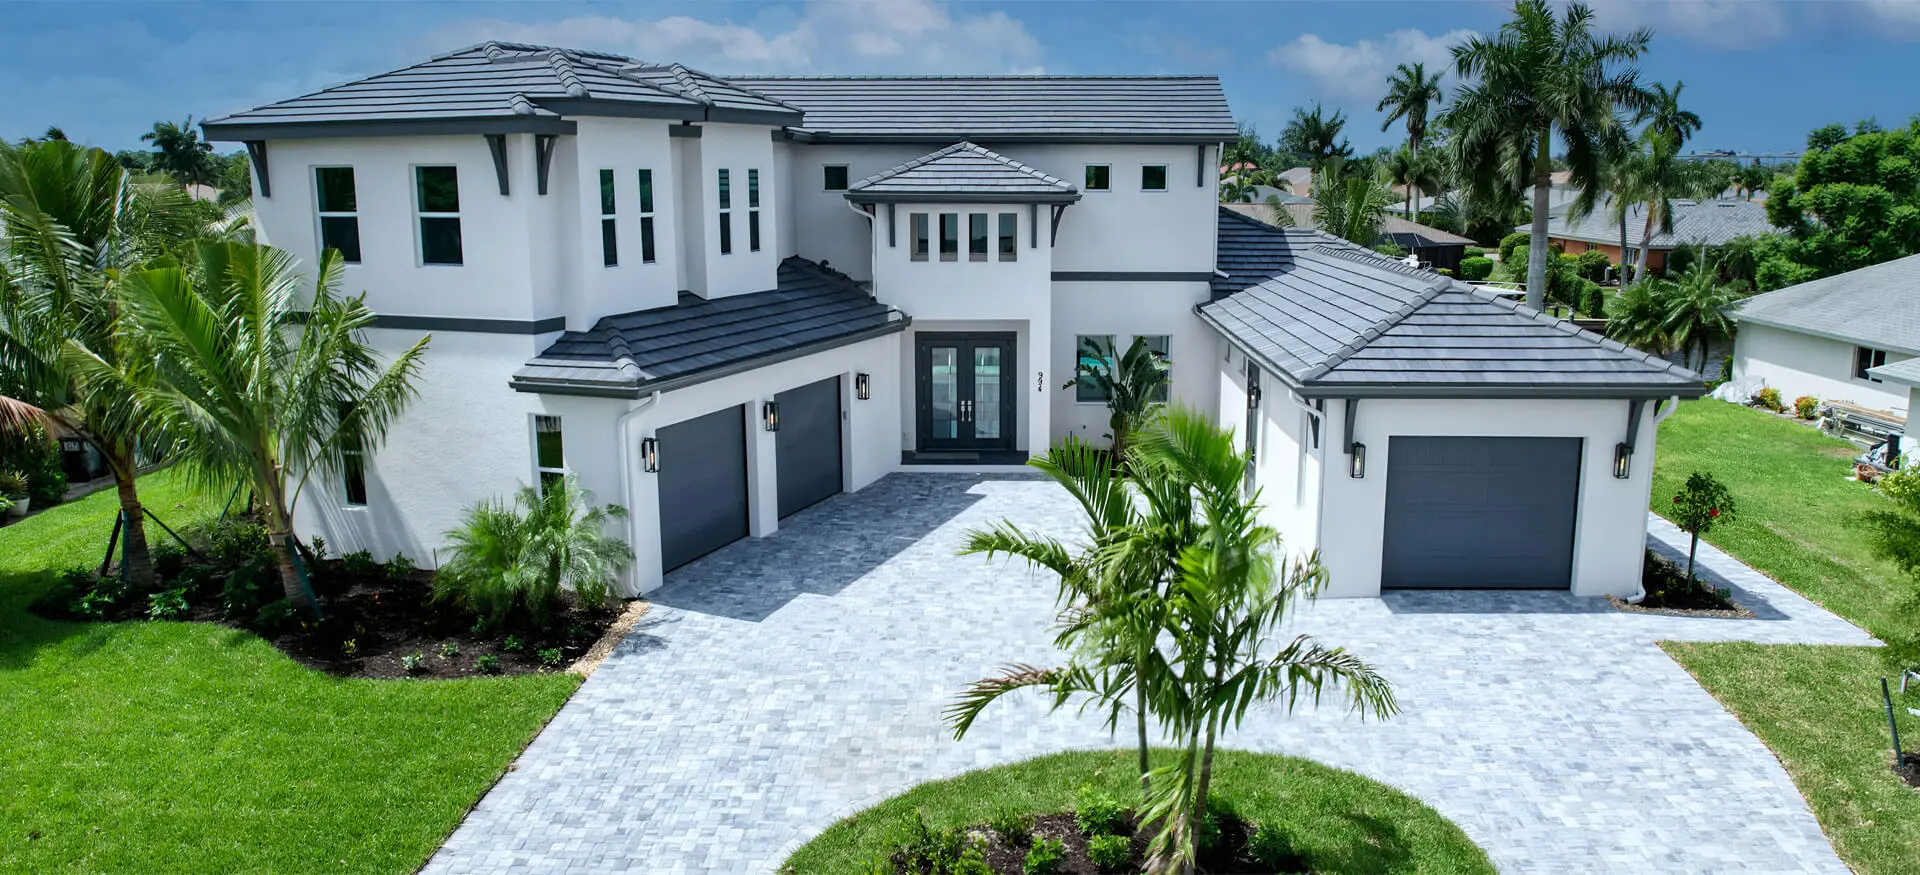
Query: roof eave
<point x="1739" y="316"/>
<point x="961" y="197"/>
<point x="1513" y="391"/>
<point x="639" y="388"/>
<point x="944" y="137"/>
<point x="319" y="130"/>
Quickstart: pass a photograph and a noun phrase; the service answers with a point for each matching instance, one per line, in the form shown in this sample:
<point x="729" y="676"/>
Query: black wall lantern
<point x="863" y="386"/>
<point x="1359" y="463"/>
<point x="770" y="412"/>
<point x="1622" y="454"/>
<point x="1253" y="397"/>
<point x="650" y="454"/>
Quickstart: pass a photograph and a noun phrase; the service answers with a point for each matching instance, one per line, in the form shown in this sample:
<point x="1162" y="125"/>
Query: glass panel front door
<point x="965" y="391"/>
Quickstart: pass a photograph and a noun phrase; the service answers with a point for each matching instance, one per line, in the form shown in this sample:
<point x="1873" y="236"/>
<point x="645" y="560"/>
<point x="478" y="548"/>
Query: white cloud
<point x="1729" y="24"/>
<point x="1359" y="71"/>
<point x="844" y="36"/>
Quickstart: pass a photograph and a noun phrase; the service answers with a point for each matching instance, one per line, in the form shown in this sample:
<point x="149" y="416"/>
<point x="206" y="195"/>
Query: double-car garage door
<point x="704" y="503"/>
<point x="1480" y="512"/>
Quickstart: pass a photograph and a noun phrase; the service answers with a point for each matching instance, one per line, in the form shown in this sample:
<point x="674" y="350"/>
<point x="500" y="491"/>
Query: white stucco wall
<point x="1125" y="310"/>
<point x="624" y="146"/>
<point x="1803" y="364"/>
<point x="1125" y="228"/>
<point x="824" y="229"/>
<point x="738" y="149"/>
<point x="1287" y="468"/>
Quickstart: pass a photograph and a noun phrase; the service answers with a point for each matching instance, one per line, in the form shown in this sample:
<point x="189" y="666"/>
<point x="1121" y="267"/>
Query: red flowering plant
<point x="1699" y="506"/>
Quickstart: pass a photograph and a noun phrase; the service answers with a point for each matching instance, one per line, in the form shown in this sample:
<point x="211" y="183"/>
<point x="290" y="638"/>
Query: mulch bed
<point x="1009" y="858"/>
<point x="1909" y="769"/>
<point x="1668" y="592"/>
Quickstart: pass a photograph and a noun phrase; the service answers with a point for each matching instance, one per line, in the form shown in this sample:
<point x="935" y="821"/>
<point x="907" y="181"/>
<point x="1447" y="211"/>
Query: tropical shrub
<point x="6" y="504"/>
<point x="1895" y="536"/>
<point x="1097" y="813"/>
<point x="1476" y="268"/>
<point x="249" y="588"/>
<point x="450" y="650"/>
<point x="1110" y="853"/>
<point x="1044" y="857"/>
<point x="277" y="618"/>
<point x="13" y="485"/>
<point x="550" y="657"/>
<point x="1135" y="384"/>
<point x="1391" y="249"/>
<point x="414" y="663"/>
<point x="1701" y="504"/>
<point x="1592" y="265"/>
<point x="487" y="663"/>
<point x="1769" y="398"/>
<point x="1014" y="827"/>
<point x="238" y="541"/>
<point x="37" y="457"/>
<point x="1512" y="242"/>
<point x="400" y="567"/>
<point x="1806" y="407"/>
<point x="509" y="563"/>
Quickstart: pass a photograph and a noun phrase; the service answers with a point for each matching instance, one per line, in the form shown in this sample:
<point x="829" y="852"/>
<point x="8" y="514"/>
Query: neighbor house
<point x="1695" y="223"/>
<point x="1830" y="338"/>
<point x="1435" y="248"/>
<point x="718" y="301"/>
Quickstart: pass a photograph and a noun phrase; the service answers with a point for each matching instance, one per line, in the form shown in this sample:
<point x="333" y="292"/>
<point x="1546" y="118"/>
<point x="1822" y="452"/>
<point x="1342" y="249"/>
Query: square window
<point x="833" y="177"/>
<point x="341" y="233"/>
<point x="1009" y="236"/>
<point x="439" y="189"/>
<point x="440" y="241"/>
<point x="1095" y="350"/>
<point x="1153" y="177"/>
<point x="976" y="236"/>
<point x="919" y="223"/>
<point x="1864" y="358"/>
<point x="1099" y="177"/>
<point x="949" y="236"/>
<point x="335" y="187"/>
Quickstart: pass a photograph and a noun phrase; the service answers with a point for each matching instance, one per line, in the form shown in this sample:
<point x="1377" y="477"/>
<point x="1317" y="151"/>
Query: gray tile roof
<point x="1906" y="372"/>
<point x="1399" y="230"/>
<point x="513" y="81"/>
<point x="1877" y="306"/>
<point x="1338" y="321"/>
<point x="631" y="354"/>
<point x="1711" y="222"/>
<point x="1001" y="109"/>
<point x="963" y="171"/>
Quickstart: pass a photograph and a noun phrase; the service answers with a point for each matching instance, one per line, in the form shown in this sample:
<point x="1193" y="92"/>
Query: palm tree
<point x="1536" y="80"/>
<point x="1316" y="136"/>
<point x="255" y="391"/>
<point x="1410" y="93"/>
<point x="1236" y="190"/>
<point x="1665" y="116"/>
<point x="1134" y="384"/>
<point x="1350" y="207"/>
<point x="1695" y="309"/>
<point x="72" y="224"/>
<point x="54" y="133"/>
<point x="1655" y="174"/>
<point x="1637" y="317"/>
<point x="181" y="154"/>
<point x="1415" y="171"/>
<point x="509" y="563"/>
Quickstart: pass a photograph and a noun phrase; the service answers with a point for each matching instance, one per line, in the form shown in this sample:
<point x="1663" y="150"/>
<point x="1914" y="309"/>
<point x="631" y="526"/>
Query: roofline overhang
<point x="1739" y="316"/>
<point x="589" y="107"/>
<point x="950" y="137"/>
<point x="1894" y="378"/>
<point x="641" y="388"/>
<point x="297" y="130"/>
<point x="882" y="197"/>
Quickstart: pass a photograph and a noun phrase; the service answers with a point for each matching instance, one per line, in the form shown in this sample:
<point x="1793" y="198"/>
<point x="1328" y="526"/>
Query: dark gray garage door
<point x="807" y="446"/>
<point x="703" y="485"/>
<point x="1475" y="512"/>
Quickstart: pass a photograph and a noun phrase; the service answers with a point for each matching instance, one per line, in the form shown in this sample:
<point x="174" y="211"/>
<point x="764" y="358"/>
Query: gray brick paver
<point x="782" y="683"/>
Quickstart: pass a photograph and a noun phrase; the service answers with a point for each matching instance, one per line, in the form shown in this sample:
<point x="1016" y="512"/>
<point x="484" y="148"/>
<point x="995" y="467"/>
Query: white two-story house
<point x="719" y="301"/>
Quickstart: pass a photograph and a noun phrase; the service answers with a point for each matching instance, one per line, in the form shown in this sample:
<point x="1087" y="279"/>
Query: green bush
<point x="36" y="455"/>
<point x="1013" y="827"/>
<point x="1044" y="857"/>
<point x="359" y="565"/>
<point x="1096" y="812"/>
<point x="249" y="588"/>
<point x="1770" y="399"/>
<point x="400" y="567"/>
<point x="1270" y="847"/>
<point x="169" y="560"/>
<point x="13" y="485"/>
<point x="277" y="618"/>
<point x="929" y="849"/>
<point x="509" y="563"/>
<point x="237" y="542"/>
<point x="1593" y="301"/>
<point x="1806" y="406"/>
<point x="1511" y="242"/>
<point x="450" y="650"/>
<point x="971" y="862"/>
<point x="550" y="657"/>
<point x="1476" y="269"/>
<point x="1592" y="265"/>
<point x="414" y="662"/>
<point x="167" y="605"/>
<point x="487" y="663"/>
<point x="1110" y="853"/>
<point x="513" y="644"/>
<point x="1391" y="249"/>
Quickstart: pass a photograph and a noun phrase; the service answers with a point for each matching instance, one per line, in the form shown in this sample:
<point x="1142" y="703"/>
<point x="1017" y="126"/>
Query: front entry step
<point x="964" y="457"/>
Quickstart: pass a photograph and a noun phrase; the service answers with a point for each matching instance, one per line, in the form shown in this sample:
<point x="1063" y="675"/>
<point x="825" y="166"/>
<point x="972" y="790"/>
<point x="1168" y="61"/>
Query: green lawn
<point x="1818" y="708"/>
<point x="1340" y="821"/>
<point x="186" y="747"/>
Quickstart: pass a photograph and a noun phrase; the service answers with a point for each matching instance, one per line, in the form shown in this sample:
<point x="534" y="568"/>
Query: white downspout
<point x="626" y="463"/>
<point x="1659" y="416"/>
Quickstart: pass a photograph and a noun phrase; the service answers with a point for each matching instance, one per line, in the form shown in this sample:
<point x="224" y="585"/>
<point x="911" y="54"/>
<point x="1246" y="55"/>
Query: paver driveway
<point x="783" y="683"/>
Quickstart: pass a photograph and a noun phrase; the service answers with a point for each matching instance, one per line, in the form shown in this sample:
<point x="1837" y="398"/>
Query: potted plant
<point x="13" y="487"/>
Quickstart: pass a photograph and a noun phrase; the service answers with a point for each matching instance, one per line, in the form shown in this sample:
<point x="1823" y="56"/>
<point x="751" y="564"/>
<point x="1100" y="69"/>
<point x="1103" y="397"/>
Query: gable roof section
<point x="697" y="339"/>
<point x="963" y="172"/>
<point x="1876" y="306"/>
<point x="1248" y="251"/>
<point x="1004" y="109"/>
<point x="1905" y="372"/>
<point x="1337" y="321"/>
<point x="1399" y="230"/>
<point x="499" y="87"/>
<point x="1711" y="222"/>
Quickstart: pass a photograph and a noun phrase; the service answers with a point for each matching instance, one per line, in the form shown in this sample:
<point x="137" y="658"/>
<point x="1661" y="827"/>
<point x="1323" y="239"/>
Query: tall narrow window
<point x="976" y="236"/>
<point x="609" y="232"/>
<point x="646" y="216"/>
<point x="1009" y="236"/>
<point x="1099" y="177"/>
<point x="919" y="222"/>
<point x="549" y="452"/>
<point x="949" y="236"/>
<point x="833" y="177"/>
<point x="437" y="193"/>
<point x="726" y="211"/>
<point x="1153" y="177"/>
<point x="753" y="210"/>
<point x="353" y="464"/>
<point x="339" y="211"/>
<point x="1093" y="350"/>
<point x="1161" y="345"/>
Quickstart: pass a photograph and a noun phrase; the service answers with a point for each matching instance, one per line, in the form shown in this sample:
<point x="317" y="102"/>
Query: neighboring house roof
<point x="1710" y="222"/>
<point x="697" y="339"/>
<point x="1004" y="109"/>
<point x="1337" y="321"/>
<point x="1411" y="235"/>
<point x="1874" y="306"/>
<point x="1905" y="372"/>
<point x="498" y="87"/>
<point x="963" y="172"/>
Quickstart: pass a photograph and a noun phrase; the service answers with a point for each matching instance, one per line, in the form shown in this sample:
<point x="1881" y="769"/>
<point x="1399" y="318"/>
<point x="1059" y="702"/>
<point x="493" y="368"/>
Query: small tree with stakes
<point x="1700" y="505"/>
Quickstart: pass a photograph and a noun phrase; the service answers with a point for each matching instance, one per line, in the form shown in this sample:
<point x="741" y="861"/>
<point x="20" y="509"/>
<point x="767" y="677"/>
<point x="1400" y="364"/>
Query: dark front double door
<point x="965" y="391"/>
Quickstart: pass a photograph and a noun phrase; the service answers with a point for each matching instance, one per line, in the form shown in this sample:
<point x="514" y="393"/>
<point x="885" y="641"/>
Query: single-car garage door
<point x="703" y="485"/>
<point x="1480" y="512"/>
<point x="807" y="446"/>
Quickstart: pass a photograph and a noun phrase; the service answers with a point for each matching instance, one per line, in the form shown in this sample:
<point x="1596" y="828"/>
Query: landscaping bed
<point x="377" y="620"/>
<point x="1072" y="843"/>
<point x="1669" y="592"/>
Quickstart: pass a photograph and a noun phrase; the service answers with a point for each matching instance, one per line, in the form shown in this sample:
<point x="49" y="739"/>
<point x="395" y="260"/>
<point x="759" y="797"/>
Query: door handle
<point x="966" y="410"/>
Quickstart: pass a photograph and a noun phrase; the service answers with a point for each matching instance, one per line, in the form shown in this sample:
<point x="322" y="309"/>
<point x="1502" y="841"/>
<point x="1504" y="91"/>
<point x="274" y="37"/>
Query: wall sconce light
<point x="1253" y="397"/>
<point x="770" y="412"/>
<point x="1359" y="461"/>
<point x="1621" y="455"/>
<point x="650" y="454"/>
<point x="863" y="386"/>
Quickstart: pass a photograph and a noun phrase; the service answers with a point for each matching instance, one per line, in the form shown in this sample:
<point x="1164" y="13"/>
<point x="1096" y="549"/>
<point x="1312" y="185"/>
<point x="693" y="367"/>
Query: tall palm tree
<point x="1415" y="171"/>
<point x="1351" y="207"/>
<point x="1410" y="94"/>
<point x="1316" y="136"/>
<point x="1665" y="116"/>
<point x="255" y="391"/>
<point x="1695" y="309"/>
<point x="1637" y="317"/>
<point x="1537" y="80"/>
<point x="181" y="154"/>
<point x="1655" y="174"/>
<point x="72" y="224"/>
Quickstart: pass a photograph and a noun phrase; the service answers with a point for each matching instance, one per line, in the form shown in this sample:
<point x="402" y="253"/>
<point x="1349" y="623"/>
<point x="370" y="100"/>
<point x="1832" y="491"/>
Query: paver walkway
<point x="783" y="683"/>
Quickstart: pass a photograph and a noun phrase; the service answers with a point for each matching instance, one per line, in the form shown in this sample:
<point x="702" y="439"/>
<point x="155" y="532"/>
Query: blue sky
<point x="1761" y="73"/>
